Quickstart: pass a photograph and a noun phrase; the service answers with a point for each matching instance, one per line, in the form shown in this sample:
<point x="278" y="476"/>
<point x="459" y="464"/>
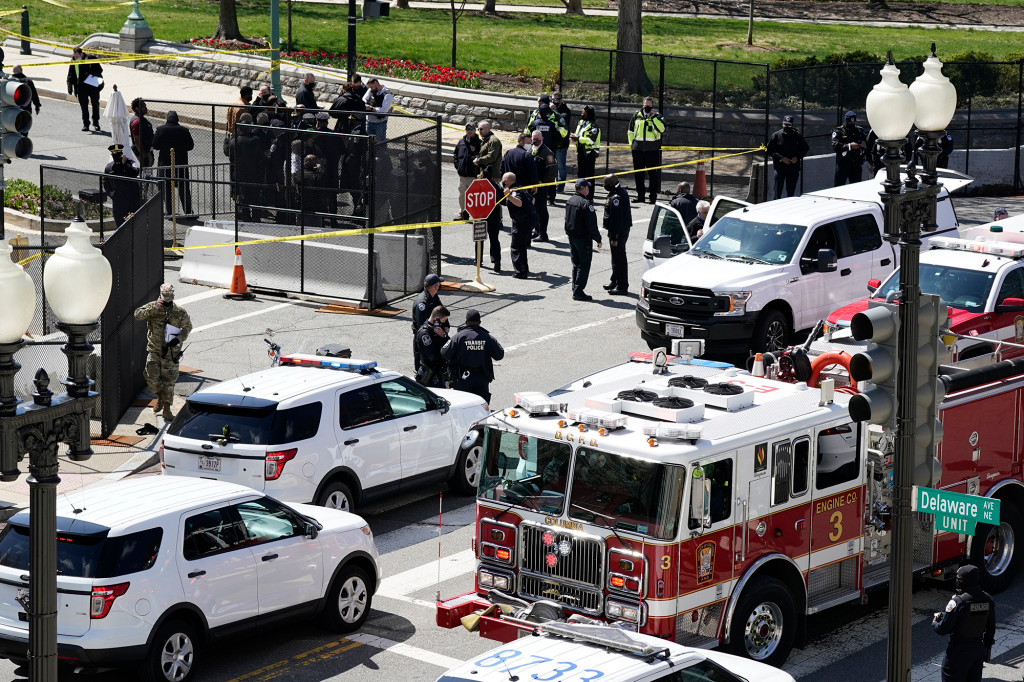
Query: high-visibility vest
<point x="588" y="135"/>
<point x="645" y="128"/>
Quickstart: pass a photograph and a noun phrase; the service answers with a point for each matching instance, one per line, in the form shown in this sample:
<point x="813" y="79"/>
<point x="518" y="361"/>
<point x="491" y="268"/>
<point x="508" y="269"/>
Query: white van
<point x="761" y="272"/>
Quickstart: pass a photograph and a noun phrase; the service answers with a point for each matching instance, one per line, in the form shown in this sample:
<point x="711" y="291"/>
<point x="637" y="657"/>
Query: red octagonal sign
<point x="480" y="199"/>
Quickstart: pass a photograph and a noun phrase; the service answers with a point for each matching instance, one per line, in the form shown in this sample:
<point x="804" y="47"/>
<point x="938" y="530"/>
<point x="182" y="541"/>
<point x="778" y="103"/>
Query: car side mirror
<point x="311" y="531"/>
<point x="827" y="260"/>
<point x="443" y="405"/>
<point x="873" y="285"/>
<point x="663" y="246"/>
<point x="1011" y="305"/>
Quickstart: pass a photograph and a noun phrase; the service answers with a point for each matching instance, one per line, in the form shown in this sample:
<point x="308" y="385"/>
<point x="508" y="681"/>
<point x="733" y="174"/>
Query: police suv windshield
<point x="625" y="493"/>
<point x="748" y="241"/>
<point x="525" y="471"/>
<point x="957" y="287"/>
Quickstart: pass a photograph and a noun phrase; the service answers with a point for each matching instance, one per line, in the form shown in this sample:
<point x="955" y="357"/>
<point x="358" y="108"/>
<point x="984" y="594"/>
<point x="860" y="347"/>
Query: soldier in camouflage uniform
<point x="164" y="346"/>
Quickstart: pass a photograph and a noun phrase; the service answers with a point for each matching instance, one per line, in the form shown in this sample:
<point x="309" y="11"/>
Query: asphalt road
<point x="549" y="340"/>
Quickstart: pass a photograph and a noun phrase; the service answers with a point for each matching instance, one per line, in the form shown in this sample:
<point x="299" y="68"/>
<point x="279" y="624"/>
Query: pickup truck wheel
<point x="994" y="549"/>
<point x="172" y="655"/>
<point x="348" y="602"/>
<point x="764" y="624"/>
<point x="467" y="468"/>
<point x="337" y="496"/>
<point x="771" y="333"/>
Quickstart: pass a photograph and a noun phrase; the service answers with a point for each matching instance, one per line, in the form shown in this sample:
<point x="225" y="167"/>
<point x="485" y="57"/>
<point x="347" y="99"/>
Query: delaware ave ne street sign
<point x="955" y="512"/>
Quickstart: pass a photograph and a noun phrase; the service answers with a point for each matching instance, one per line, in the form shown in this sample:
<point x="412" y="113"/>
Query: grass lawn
<point x="527" y="44"/>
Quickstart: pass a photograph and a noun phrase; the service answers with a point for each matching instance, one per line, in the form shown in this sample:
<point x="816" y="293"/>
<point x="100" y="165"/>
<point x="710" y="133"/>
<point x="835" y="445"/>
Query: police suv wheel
<point x="348" y="603"/>
<point x="764" y="624"/>
<point x="172" y="655"/>
<point x="994" y="549"/>
<point x="337" y="496"/>
<point x="467" y="469"/>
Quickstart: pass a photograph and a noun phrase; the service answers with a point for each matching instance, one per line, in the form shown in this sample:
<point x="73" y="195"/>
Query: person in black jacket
<point x="248" y="162"/>
<point x="618" y="218"/>
<point x="524" y="219"/>
<point x="86" y="92"/>
<point x="581" y="226"/>
<point x="684" y="202"/>
<point x="305" y="95"/>
<point x="18" y="73"/>
<point x="787" y="148"/>
<point x="849" y="142"/>
<point x="174" y="136"/>
<point x="125" y="195"/>
<point x="467" y="149"/>
<point x="431" y="336"/>
<point x="519" y="161"/>
<point x="970" y="619"/>
<point x="470" y="354"/>
<point x="547" y="171"/>
<point x="562" y="151"/>
<point x="346" y="109"/>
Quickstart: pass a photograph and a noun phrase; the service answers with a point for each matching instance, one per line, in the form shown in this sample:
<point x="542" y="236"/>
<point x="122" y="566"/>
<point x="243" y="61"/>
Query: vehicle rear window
<point x="247" y="425"/>
<point x="92" y="555"/>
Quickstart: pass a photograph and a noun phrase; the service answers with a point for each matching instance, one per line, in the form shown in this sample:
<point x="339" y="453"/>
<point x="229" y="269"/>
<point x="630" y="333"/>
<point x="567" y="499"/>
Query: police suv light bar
<point x="674" y="432"/>
<point x="993" y="248"/>
<point x="535" y="402"/>
<point x="592" y="417"/>
<point x="328" y="362"/>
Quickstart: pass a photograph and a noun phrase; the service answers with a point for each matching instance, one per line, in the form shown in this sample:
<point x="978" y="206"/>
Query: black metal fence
<point x="725" y="104"/>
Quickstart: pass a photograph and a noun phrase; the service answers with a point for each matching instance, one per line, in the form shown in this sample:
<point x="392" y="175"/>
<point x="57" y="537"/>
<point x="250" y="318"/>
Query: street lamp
<point x="77" y="282"/>
<point x="909" y="210"/>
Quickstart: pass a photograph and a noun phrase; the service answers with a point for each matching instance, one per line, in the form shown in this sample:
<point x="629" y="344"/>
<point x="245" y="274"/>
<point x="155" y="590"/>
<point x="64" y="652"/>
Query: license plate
<point x="676" y="330"/>
<point x="209" y="464"/>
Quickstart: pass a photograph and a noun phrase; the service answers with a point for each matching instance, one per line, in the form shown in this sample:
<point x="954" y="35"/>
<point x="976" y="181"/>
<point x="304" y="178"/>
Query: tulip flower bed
<point x="380" y="66"/>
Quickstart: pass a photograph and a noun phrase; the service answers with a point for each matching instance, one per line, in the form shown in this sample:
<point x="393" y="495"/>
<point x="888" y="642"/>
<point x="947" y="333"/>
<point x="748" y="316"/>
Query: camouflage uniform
<point x="162" y="359"/>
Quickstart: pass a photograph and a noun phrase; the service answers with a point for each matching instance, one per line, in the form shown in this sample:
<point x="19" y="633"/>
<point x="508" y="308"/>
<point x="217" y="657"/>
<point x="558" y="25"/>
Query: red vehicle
<point x="707" y="506"/>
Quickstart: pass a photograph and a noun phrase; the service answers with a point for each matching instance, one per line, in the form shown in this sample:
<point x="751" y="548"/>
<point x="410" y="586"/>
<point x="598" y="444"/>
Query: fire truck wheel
<point x="467" y="469"/>
<point x="764" y="625"/>
<point x="994" y="549"/>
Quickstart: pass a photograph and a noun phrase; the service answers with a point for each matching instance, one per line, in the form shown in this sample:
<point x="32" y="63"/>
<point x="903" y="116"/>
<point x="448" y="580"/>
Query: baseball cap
<point x="470" y="126"/>
<point x="322" y="115"/>
<point x="1000" y="211"/>
<point x="582" y="183"/>
<point x="308" y="116"/>
<point x="787" y="120"/>
<point x="472" y="315"/>
<point x="850" y="115"/>
<point x="432" y="279"/>
<point x="544" y="98"/>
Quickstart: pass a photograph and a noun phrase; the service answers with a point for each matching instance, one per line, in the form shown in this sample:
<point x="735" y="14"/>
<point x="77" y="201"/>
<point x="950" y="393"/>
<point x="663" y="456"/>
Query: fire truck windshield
<point x="525" y="471"/>
<point x="626" y="493"/>
<point x="958" y="287"/>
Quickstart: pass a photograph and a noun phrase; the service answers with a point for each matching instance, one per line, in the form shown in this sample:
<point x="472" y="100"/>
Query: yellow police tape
<point x="10" y="11"/>
<point x="94" y="9"/>
<point x="125" y="55"/>
<point x="25" y="261"/>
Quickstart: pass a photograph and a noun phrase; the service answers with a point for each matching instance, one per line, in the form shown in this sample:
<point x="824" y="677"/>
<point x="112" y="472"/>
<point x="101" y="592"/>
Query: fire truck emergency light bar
<point x="592" y="417"/>
<point x="680" y="432"/>
<point x="535" y="402"/>
<point x="1005" y="249"/>
<point x="328" y="363"/>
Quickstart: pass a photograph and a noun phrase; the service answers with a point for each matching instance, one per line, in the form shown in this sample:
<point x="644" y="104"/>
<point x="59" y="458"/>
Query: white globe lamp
<point x="77" y="278"/>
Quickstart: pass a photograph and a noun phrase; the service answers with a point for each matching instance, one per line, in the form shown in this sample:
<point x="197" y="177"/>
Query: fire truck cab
<point x="697" y="503"/>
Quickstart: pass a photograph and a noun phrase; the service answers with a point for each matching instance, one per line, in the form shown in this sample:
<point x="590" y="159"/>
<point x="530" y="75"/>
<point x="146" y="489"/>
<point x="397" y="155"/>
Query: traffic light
<point x="15" y="119"/>
<point x="880" y="325"/>
<point x="931" y="317"/>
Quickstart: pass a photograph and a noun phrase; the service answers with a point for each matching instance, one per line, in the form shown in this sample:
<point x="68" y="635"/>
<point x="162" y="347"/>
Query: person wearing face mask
<point x="618" y="218"/>
<point x="524" y="219"/>
<point x="562" y="150"/>
<point x="552" y="126"/>
<point x="466" y="150"/>
<point x="588" y="142"/>
<point x="787" y="147"/>
<point x="970" y="619"/>
<point x="644" y="137"/>
<point x="581" y="228"/>
<point x="167" y="328"/>
<point x="519" y="161"/>
<point x="547" y="169"/>
<point x="141" y="131"/>
<point x="86" y="81"/>
<point x="849" y="142"/>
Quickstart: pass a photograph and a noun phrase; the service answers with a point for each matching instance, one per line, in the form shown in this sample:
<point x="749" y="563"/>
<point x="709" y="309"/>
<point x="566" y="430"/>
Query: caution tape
<point x="684" y="148"/>
<point x="26" y="261"/>
<point x="93" y="9"/>
<point x="10" y="11"/>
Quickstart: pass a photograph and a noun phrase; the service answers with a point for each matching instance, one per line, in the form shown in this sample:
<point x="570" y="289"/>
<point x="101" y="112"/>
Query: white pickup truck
<point x="761" y="272"/>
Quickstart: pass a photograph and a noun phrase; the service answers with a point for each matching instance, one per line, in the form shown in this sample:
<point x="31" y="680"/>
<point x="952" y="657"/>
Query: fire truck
<point x="692" y="501"/>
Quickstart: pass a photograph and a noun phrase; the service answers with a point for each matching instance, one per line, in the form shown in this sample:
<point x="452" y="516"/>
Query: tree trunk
<point x="630" y="75"/>
<point x="288" y="7"/>
<point x="455" y="31"/>
<point x="489" y="7"/>
<point x="750" y="24"/>
<point x="227" y="22"/>
<point x="403" y="4"/>
<point x="574" y="7"/>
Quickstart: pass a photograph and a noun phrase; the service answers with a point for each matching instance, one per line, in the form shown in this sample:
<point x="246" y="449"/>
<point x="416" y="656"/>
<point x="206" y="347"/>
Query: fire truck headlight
<point x="626" y="612"/>
<point x="501" y="582"/>
<point x="485" y="579"/>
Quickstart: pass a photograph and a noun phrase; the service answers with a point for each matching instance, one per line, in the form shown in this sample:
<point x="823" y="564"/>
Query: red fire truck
<point x="701" y="504"/>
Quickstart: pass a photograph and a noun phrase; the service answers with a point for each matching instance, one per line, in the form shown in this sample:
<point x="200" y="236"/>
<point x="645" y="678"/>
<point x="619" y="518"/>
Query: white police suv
<point x="333" y="431"/>
<point x="153" y="570"/>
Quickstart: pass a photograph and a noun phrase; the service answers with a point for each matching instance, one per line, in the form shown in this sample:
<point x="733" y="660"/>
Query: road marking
<point x="564" y="332"/>
<point x="400" y="585"/>
<point x="285" y="667"/>
<point x="236" y="318"/>
<point x="415" y="653"/>
<point x="200" y="296"/>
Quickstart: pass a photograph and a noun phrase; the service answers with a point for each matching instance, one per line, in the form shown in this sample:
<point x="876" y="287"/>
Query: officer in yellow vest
<point x="644" y="137"/>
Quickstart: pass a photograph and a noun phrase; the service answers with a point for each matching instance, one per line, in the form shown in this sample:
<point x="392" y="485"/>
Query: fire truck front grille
<point x="583" y="562"/>
<point x="576" y="598"/>
<point x="703" y="630"/>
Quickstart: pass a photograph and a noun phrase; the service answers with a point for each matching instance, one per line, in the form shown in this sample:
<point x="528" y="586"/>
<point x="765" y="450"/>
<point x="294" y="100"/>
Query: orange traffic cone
<point x="700" y="182"/>
<point x="239" y="290"/>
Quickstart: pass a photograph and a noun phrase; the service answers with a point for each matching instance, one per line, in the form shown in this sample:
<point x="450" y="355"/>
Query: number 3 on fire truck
<point x="837" y="526"/>
<point x="666" y="562"/>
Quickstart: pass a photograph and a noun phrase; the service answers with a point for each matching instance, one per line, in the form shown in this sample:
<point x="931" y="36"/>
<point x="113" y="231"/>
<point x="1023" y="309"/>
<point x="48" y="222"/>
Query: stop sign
<point x="480" y="199"/>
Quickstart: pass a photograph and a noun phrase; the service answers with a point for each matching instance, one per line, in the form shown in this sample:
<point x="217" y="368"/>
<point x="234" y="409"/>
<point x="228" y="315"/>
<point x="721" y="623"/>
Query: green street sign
<point x="955" y="512"/>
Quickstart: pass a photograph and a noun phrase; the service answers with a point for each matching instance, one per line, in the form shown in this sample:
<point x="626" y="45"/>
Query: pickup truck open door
<point x="666" y="231"/>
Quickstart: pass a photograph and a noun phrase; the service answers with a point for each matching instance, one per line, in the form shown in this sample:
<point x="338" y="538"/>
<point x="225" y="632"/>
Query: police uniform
<point x="547" y="171"/>
<point x="431" y="368"/>
<point x="552" y="126"/>
<point x="421" y="309"/>
<point x="125" y="195"/>
<point x="524" y="220"/>
<point x="644" y="137"/>
<point x="849" y="162"/>
<point x="164" y="346"/>
<point x="470" y="354"/>
<point x="581" y="227"/>
<point x="787" y="143"/>
<point x="588" y="144"/>
<point x="970" y="619"/>
<point x="618" y="218"/>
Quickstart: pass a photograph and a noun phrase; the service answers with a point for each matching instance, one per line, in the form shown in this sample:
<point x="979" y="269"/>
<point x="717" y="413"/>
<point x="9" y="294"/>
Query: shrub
<point x="22" y="195"/>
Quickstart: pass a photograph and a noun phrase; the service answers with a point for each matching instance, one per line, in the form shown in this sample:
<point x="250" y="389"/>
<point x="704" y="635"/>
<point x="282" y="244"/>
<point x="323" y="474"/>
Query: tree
<point x="456" y="13"/>
<point x="750" y="24"/>
<point x="227" y="22"/>
<point x="489" y="7"/>
<point x="630" y="75"/>
<point x="573" y="7"/>
<point x="403" y="4"/>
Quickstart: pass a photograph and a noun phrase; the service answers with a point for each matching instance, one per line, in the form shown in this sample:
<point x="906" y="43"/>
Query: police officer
<point x="618" y="218"/>
<point x="422" y="307"/>
<point x="524" y="220"/>
<point x="167" y="328"/>
<point x="588" y="142"/>
<point x="787" y="148"/>
<point x="644" y="137"/>
<point x="125" y="195"/>
<point x="849" y="142"/>
<point x="581" y="226"/>
<point x="547" y="171"/>
<point x="430" y="337"/>
<point x="970" y="617"/>
<point x="469" y="354"/>
<point x="552" y="126"/>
